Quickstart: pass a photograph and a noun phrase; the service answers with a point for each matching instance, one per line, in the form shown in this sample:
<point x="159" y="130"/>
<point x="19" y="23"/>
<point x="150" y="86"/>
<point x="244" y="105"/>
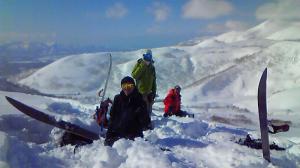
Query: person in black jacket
<point x="128" y="114"/>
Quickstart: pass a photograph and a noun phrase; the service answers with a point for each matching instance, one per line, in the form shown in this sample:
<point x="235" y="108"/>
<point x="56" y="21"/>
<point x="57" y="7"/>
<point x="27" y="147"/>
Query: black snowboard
<point x="262" y="111"/>
<point x="48" y="119"/>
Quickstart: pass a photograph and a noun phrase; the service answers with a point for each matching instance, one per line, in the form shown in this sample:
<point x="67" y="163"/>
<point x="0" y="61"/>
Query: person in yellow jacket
<point x="145" y="76"/>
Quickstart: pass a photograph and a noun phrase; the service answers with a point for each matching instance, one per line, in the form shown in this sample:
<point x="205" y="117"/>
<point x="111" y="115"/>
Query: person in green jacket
<point x="145" y="76"/>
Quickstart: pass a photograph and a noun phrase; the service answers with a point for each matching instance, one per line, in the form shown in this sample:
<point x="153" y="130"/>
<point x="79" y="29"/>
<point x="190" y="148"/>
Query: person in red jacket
<point x="173" y="103"/>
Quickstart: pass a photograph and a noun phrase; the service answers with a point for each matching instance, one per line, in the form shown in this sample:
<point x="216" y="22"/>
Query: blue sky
<point x="124" y="24"/>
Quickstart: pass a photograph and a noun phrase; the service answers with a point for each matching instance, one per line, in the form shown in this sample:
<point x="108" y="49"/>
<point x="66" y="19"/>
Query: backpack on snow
<point x="101" y="113"/>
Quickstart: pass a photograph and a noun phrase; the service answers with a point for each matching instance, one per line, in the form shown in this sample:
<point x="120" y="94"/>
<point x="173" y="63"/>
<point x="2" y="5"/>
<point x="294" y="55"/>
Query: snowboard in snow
<point x="262" y="112"/>
<point x="48" y="119"/>
<point x="276" y="126"/>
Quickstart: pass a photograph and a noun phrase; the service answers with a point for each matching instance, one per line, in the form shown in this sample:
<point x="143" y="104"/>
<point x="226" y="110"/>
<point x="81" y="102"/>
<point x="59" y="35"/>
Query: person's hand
<point x="151" y="97"/>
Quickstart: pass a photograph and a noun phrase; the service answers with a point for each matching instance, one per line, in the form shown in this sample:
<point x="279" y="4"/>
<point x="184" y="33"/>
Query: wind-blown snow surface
<point x="219" y="77"/>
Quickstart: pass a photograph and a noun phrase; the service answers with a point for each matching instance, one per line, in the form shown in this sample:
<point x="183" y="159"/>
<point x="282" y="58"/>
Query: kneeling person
<point x="128" y="115"/>
<point x="172" y="103"/>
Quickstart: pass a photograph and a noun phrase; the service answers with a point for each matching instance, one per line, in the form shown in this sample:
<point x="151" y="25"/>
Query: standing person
<point x="145" y="76"/>
<point x="128" y="114"/>
<point x="172" y="103"/>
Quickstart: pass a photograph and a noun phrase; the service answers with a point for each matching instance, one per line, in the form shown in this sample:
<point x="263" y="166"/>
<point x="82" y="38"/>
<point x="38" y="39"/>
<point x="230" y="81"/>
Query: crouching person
<point x="128" y="115"/>
<point x="172" y="104"/>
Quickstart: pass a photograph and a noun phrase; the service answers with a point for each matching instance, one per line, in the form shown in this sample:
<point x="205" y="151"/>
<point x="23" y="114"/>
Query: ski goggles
<point x="127" y="86"/>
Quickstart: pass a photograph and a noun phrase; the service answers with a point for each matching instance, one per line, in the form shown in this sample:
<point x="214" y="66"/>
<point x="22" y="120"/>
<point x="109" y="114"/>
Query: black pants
<point x="148" y="98"/>
<point x="180" y="113"/>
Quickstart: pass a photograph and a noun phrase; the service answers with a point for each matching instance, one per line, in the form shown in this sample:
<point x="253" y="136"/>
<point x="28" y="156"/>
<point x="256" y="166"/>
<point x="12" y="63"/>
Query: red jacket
<point x="172" y="102"/>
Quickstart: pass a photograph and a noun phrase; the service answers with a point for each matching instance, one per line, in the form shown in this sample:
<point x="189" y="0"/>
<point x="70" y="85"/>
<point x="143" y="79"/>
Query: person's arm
<point x="112" y="112"/>
<point x="111" y="135"/>
<point x="177" y="102"/>
<point x="169" y="102"/>
<point x="138" y="69"/>
<point x="154" y="84"/>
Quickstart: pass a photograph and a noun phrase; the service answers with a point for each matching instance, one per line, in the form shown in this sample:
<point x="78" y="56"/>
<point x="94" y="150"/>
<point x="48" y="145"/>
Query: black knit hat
<point x="127" y="79"/>
<point x="177" y="87"/>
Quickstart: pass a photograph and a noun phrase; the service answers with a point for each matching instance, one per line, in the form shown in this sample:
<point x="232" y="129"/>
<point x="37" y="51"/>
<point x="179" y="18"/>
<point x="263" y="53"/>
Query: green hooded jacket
<point x="145" y="77"/>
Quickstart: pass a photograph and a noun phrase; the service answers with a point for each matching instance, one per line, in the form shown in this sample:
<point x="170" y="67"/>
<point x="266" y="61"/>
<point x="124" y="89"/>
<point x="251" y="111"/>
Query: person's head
<point x="127" y="85"/>
<point x="177" y="88"/>
<point x="147" y="56"/>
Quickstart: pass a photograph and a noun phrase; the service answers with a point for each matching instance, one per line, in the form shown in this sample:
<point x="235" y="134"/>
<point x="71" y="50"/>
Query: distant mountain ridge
<point x="29" y="51"/>
<point x="19" y="57"/>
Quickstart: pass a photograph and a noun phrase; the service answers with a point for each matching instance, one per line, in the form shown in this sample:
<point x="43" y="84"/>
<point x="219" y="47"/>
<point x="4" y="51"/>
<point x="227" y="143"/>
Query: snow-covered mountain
<point x="227" y="66"/>
<point x="219" y="76"/>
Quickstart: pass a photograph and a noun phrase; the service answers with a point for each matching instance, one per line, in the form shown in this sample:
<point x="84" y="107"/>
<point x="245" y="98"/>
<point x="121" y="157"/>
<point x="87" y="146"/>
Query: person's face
<point x="127" y="88"/>
<point x="178" y="90"/>
<point x="147" y="62"/>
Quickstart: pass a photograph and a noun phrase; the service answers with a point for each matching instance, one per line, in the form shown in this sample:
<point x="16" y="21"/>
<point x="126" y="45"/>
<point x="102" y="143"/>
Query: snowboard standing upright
<point x="262" y="111"/>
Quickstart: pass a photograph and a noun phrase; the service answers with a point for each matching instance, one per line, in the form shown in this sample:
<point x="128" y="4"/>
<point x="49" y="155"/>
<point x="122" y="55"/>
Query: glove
<point x="151" y="97"/>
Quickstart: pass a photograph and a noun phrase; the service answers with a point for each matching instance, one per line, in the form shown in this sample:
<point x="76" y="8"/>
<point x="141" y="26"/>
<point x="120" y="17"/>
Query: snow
<point x="4" y="147"/>
<point x="289" y="33"/>
<point x="219" y="77"/>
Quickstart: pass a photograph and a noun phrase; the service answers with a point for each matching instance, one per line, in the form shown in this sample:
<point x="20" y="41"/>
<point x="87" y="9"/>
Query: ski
<point x="107" y="77"/>
<point x="100" y="113"/>
<point x="262" y="112"/>
<point x="48" y="119"/>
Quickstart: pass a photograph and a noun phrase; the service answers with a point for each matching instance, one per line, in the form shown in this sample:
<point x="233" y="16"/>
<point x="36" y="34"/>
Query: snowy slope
<point x="290" y="32"/>
<point x="219" y="77"/>
<point x="86" y="73"/>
